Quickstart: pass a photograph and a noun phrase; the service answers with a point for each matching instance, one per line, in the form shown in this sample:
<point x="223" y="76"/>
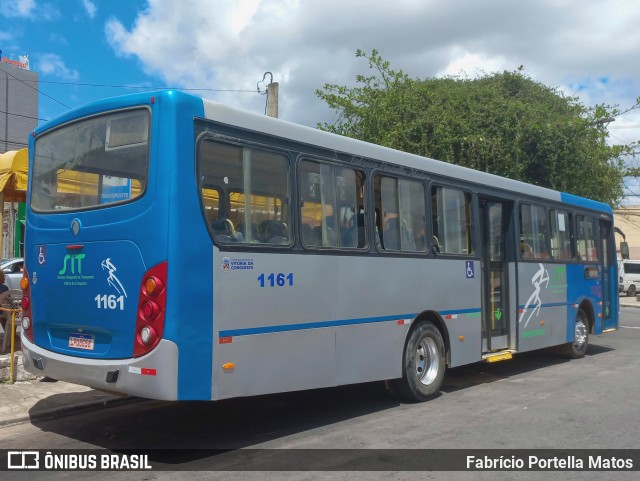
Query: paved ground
<point x="38" y="399"/>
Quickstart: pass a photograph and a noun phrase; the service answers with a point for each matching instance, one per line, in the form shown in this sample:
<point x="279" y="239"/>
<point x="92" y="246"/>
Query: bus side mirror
<point x="624" y="250"/>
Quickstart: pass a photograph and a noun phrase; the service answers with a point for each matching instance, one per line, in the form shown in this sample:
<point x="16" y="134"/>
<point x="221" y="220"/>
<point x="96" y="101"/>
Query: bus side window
<point x="400" y="214"/>
<point x="586" y="242"/>
<point x="328" y="198"/>
<point x="533" y="232"/>
<point x="451" y="220"/>
<point x="252" y="193"/>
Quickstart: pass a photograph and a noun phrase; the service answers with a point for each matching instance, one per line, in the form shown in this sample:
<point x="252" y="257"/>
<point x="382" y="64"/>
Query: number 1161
<point x="275" y="280"/>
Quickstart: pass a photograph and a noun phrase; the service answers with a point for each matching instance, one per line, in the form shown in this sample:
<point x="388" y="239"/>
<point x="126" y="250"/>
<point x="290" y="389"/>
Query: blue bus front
<point x="97" y="250"/>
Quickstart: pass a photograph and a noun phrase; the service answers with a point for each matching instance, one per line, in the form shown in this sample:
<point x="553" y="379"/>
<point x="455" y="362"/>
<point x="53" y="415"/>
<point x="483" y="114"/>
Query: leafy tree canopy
<point x="504" y="123"/>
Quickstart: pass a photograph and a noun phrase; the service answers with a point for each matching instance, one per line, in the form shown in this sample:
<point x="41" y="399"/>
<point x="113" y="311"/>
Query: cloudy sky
<point x="87" y="49"/>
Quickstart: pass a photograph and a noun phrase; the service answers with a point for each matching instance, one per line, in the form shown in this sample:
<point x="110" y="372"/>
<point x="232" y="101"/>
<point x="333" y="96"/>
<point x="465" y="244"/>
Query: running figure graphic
<point x="112" y="280"/>
<point x="540" y="277"/>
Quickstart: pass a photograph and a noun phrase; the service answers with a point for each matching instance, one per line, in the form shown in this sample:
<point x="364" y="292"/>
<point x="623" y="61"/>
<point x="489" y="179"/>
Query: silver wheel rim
<point x="427" y="361"/>
<point x="581" y="334"/>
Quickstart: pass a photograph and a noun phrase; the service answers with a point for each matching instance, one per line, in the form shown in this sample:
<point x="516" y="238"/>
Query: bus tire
<point x="631" y="291"/>
<point x="578" y="347"/>
<point x="423" y="365"/>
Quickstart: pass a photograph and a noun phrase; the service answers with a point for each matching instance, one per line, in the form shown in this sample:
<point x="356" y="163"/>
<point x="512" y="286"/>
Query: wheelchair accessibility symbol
<point x="42" y="255"/>
<point x="469" y="270"/>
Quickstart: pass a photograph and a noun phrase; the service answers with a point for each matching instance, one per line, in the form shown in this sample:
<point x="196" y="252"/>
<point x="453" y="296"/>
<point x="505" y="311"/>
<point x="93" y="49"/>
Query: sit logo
<point x="71" y="259"/>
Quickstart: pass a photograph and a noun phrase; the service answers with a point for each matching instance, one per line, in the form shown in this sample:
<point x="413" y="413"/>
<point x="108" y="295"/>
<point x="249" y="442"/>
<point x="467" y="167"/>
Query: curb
<point x="70" y="410"/>
<point x="636" y="305"/>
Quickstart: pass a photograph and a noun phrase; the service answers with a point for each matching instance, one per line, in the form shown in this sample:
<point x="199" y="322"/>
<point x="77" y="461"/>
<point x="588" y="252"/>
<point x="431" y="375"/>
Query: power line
<point x="34" y="88"/>
<point x="13" y="142"/>
<point x="24" y="116"/>
<point x="82" y="84"/>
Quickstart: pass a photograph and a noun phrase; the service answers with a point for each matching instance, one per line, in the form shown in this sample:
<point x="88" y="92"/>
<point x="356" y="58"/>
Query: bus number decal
<point x="275" y="280"/>
<point x="109" y="301"/>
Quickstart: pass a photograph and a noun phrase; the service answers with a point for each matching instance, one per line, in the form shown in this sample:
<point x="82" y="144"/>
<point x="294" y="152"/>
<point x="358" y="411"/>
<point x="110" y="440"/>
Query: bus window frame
<point x="147" y="169"/>
<point x="376" y="244"/>
<point x="299" y="204"/>
<point x="572" y="247"/>
<point x="472" y="228"/>
<point x="217" y="138"/>
<point x="546" y="234"/>
<point x="587" y="217"/>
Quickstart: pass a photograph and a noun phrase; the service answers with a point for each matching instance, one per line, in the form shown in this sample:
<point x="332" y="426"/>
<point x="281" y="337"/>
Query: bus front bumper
<point x="153" y="376"/>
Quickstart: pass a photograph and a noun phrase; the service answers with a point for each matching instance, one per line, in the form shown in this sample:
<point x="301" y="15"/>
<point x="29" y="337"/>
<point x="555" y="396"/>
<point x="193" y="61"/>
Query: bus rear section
<point x="95" y="287"/>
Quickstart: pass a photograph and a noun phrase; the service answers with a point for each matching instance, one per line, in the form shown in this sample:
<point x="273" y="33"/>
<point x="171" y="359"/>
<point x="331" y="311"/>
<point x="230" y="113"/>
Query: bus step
<point x="611" y="329"/>
<point x="497" y="356"/>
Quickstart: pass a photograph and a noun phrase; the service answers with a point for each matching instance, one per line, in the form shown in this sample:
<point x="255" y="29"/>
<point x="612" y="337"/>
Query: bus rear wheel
<point x="578" y="347"/>
<point x="423" y="365"/>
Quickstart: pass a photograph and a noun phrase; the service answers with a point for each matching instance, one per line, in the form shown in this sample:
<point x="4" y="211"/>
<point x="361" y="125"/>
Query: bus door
<point x="609" y="287"/>
<point x="495" y="282"/>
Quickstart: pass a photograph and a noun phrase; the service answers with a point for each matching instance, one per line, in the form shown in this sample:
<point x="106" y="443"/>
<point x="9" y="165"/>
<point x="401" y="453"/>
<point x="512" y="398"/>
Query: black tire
<point x="631" y="291"/>
<point x="578" y="347"/>
<point x="423" y="365"/>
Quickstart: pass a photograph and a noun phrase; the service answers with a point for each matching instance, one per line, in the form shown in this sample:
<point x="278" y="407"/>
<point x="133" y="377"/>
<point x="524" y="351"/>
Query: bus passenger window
<point x="533" y="232"/>
<point x="451" y="211"/>
<point x="560" y="224"/>
<point x="328" y="199"/>
<point x="400" y="214"/>
<point x="247" y="192"/>
<point x="586" y="239"/>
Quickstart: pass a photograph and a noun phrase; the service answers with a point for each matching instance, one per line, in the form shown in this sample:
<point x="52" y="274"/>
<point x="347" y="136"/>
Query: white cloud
<point x="30" y="9"/>
<point x="18" y="8"/>
<point x="53" y="64"/>
<point x="90" y="7"/>
<point x="586" y="47"/>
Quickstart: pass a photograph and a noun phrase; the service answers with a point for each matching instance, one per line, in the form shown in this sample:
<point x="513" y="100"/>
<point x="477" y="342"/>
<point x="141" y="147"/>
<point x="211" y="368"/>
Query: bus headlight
<point x="26" y="323"/>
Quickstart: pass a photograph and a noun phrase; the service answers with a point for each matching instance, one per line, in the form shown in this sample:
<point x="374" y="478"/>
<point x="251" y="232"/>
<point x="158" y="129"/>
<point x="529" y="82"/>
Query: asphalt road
<point x="537" y="400"/>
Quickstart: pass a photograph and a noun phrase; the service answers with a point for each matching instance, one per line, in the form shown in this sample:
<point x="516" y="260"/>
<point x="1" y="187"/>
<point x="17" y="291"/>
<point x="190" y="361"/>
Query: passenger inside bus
<point x="254" y="237"/>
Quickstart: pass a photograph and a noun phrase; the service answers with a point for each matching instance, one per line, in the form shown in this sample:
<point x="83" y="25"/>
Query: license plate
<point x="81" y="341"/>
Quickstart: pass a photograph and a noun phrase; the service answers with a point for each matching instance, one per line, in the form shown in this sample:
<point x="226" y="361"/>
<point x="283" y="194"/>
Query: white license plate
<point x="81" y="341"/>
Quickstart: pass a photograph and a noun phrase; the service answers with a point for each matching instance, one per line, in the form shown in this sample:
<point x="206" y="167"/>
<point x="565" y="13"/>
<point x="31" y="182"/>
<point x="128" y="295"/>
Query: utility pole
<point x="272" y="99"/>
<point x="271" y="108"/>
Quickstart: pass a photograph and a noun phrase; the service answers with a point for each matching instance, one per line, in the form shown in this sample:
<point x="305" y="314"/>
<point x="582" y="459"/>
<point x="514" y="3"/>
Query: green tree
<point x="504" y="123"/>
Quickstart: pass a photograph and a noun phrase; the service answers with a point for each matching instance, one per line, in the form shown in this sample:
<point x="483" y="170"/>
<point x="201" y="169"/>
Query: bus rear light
<point x="27" y="317"/>
<point x="153" y="285"/>
<point x="152" y="300"/>
<point x="147" y="335"/>
<point x="149" y="310"/>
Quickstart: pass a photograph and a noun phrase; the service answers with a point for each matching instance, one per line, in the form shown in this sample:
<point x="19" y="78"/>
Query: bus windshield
<point x="91" y="163"/>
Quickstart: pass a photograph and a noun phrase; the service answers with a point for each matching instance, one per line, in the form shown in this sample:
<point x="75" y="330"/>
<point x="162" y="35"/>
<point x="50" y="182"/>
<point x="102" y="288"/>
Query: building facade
<point x="18" y="104"/>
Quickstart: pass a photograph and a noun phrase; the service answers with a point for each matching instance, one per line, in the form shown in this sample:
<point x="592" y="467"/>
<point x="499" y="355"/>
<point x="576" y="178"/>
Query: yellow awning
<point x="13" y="175"/>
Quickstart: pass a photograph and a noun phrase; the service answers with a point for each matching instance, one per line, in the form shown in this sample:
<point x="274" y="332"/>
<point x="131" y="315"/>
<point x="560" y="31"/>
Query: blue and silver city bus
<point x="180" y="249"/>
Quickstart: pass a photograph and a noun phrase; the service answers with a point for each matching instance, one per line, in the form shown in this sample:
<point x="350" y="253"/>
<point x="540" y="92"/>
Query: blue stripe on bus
<point x="322" y="324"/>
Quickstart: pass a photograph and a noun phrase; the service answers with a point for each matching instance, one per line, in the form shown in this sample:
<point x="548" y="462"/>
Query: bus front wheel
<point x="423" y="365"/>
<point x="578" y="347"/>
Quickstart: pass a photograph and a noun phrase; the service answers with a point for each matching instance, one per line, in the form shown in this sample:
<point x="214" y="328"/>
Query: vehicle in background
<point x="630" y="277"/>
<point x="620" y="276"/>
<point x="12" y="269"/>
